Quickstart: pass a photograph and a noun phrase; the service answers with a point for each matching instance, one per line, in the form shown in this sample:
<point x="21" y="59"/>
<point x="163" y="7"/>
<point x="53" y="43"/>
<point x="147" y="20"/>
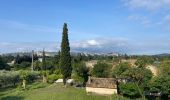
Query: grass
<point x="40" y="91"/>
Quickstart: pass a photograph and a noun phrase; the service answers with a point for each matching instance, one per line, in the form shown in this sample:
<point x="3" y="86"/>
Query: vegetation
<point x="3" y="64"/>
<point x="129" y="90"/>
<point x="65" y="57"/>
<point x="101" y="69"/>
<point x="135" y="80"/>
<point x="80" y="72"/>
<point x="42" y="91"/>
<point x="12" y="78"/>
<point x="120" y="69"/>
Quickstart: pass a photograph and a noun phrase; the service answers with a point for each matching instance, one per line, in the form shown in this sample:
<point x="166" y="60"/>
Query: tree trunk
<point x="44" y="79"/>
<point x="65" y="82"/>
<point x="24" y="83"/>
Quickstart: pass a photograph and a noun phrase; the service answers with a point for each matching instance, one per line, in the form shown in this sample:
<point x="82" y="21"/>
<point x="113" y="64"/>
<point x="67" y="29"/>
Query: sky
<point x="124" y="26"/>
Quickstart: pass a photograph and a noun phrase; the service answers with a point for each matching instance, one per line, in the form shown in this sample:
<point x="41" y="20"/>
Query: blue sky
<point x="126" y="26"/>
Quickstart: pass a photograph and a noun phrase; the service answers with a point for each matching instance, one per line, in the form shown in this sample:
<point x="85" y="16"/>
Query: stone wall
<point x="102" y="91"/>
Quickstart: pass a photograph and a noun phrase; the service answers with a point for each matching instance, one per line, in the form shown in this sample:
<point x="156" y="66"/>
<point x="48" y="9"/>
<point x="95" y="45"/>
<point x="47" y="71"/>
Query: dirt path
<point x="153" y="69"/>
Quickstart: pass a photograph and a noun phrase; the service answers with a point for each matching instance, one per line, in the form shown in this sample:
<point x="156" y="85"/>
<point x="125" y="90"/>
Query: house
<point x="104" y="86"/>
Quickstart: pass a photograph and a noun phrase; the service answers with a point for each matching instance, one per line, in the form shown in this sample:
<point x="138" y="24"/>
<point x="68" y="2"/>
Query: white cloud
<point x="89" y="45"/>
<point x="92" y="42"/>
<point x="101" y="45"/>
<point x="140" y="19"/>
<point x="148" y="4"/>
<point x="95" y="45"/>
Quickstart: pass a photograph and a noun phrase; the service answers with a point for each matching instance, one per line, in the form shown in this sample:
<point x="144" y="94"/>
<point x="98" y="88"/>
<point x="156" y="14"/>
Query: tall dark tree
<point x="43" y="61"/>
<point x="44" y="68"/>
<point x="65" y="57"/>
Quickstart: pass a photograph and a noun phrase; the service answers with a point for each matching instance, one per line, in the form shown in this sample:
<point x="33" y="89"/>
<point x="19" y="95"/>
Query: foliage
<point x="44" y="61"/>
<point x="101" y="69"/>
<point x="129" y="90"/>
<point x="65" y="57"/>
<point x="42" y="91"/>
<point x="25" y="58"/>
<point x="80" y="72"/>
<point x="53" y="77"/>
<point x="8" y="58"/>
<point x="22" y="65"/>
<point x="8" y="78"/>
<point x="3" y="64"/>
<point x="56" y="60"/>
<point x="37" y="65"/>
<point x="30" y="76"/>
<point x="160" y="84"/>
<point x="116" y="59"/>
<point x="139" y="75"/>
<point x="143" y="61"/>
<point x="164" y="68"/>
<point x="120" y="69"/>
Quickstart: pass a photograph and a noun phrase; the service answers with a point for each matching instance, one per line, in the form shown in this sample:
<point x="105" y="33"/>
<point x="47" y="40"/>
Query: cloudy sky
<point x="125" y="26"/>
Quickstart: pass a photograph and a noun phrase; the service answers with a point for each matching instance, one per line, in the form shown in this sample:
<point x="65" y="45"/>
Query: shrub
<point x="80" y="72"/>
<point x="8" y="78"/>
<point x="129" y="90"/>
<point x="101" y="70"/>
<point x="53" y="77"/>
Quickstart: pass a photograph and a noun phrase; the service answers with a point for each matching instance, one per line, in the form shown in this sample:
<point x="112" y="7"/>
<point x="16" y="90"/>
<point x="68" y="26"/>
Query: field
<point x="40" y="91"/>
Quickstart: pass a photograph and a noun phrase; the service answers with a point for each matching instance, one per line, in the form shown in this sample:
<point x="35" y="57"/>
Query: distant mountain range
<point x="163" y="54"/>
<point x="39" y="53"/>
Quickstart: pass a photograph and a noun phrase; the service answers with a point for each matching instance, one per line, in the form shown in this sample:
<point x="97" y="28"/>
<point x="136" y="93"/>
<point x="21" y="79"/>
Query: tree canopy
<point x="65" y="57"/>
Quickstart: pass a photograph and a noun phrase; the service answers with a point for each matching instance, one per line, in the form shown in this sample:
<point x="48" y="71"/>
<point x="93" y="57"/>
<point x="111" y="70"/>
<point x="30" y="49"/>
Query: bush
<point x="24" y="65"/>
<point x="53" y="77"/>
<point x="129" y="90"/>
<point x="8" y="78"/>
<point x="80" y="72"/>
<point x="3" y="64"/>
<point x="33" y="75"/>
<point x="120" y="69"/>
<point x="101" y="70"/>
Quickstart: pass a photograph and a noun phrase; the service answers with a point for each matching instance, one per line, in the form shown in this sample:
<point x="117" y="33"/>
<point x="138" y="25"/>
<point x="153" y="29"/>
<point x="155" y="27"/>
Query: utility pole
<point x="32" y="65"/>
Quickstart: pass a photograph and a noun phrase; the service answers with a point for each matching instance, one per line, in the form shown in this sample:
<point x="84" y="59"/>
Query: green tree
<point x="56" y="60"/>
<point x="65" y="58"/>
<point x="143" y="61"/>
<point x="3" y="64"/>
<point x="164" y="68"/>
<point x="81" y="72"/>
<point x="44" y="68"/>
<point x="43" y="61"/>
<point x="120" y="69"/>
<point x="37" y="65"/>
<point x="24" y="77"/>
<point x="129" y="90"/>
<point x="23" y="65"/>
<point x="161" y="84"/>
<point x="139" y="75"/>
<point x="101" y="69"/>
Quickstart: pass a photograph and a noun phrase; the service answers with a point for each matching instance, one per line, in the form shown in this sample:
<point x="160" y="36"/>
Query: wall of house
<point x="103" y="91"/>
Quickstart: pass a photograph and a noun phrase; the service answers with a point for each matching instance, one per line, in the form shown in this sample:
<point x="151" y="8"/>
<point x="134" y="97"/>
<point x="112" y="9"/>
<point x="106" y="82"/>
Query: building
<point x="103" y="86"/>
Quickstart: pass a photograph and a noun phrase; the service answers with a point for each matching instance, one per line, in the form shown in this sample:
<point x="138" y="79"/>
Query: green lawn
<point x="40" y="91"/>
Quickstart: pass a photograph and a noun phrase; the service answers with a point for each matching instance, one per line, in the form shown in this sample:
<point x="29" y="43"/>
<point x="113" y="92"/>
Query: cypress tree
<point x="65" y="57"/>
<point x="43" y="61"/>
<point x="44" y="68"/>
